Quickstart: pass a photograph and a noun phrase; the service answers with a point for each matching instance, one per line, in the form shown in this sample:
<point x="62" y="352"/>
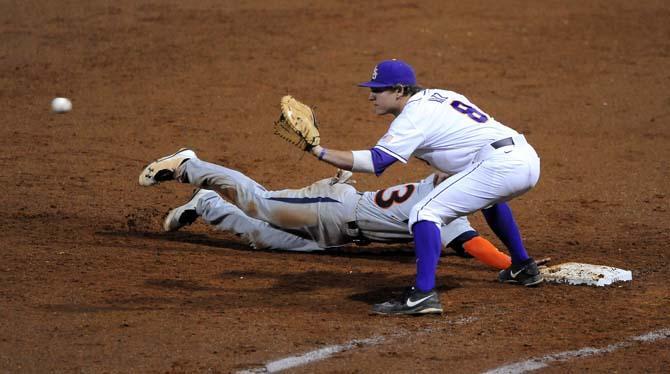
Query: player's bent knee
<point x="423" y="214"/>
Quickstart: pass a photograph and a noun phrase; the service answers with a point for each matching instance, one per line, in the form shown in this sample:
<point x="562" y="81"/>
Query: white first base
<point x="591" y="275"/>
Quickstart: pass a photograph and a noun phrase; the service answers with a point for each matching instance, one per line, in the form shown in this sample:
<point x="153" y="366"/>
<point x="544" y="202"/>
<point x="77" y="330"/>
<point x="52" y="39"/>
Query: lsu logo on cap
<point x="389" y="73"/>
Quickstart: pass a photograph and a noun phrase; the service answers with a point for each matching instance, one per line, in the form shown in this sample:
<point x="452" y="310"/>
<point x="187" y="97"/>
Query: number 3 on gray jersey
<point x="395" y="198"/>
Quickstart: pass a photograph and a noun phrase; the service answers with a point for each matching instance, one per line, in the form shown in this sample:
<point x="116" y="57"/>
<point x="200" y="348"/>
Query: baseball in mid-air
<point x="61" y="105"/>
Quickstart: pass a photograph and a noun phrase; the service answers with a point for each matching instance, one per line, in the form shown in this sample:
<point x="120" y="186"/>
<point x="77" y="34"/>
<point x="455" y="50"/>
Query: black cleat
<point x="412" y="301"/>
<point x="526" y="274"/>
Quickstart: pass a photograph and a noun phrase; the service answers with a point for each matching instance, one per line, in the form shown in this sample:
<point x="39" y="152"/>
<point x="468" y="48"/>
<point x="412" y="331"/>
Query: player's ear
<point x="399" y="91"/>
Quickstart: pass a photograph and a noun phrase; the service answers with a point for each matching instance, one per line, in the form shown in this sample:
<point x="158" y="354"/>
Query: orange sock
<point x="484" y="251"/>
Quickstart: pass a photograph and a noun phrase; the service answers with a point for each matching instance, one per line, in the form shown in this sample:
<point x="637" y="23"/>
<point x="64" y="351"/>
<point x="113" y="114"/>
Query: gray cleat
<point x="186" y="214"/>
<point x="164" y="168"/>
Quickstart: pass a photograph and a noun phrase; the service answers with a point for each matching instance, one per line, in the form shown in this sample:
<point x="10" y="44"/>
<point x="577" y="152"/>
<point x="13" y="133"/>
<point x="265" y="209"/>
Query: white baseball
<point x="61" y="105"/>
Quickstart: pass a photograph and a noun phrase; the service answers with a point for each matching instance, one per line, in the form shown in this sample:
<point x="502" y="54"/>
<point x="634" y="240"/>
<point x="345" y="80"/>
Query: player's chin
<point x="380" y="111"/>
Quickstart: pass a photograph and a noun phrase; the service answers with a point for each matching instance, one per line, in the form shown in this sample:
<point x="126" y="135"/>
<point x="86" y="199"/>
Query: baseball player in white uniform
<point x="328" y="213"/>
<point x="489" y="163"/>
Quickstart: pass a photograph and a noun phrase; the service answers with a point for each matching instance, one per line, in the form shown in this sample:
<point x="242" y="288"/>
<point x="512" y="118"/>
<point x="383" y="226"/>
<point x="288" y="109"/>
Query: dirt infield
<point x="89" y="283"/>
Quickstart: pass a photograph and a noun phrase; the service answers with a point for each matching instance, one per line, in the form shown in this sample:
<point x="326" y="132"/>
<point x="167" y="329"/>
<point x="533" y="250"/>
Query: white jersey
<point x="442" y="128"/>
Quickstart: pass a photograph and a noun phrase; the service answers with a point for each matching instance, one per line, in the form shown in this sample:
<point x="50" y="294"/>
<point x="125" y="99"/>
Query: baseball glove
<point x="297" y="124"/>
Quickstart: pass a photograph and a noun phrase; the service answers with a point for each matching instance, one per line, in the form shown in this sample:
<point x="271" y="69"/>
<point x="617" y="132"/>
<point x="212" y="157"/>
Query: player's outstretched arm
<point x="340" y="159"/>
<point x="365" y="161"/>
<point x="297" y="125"/>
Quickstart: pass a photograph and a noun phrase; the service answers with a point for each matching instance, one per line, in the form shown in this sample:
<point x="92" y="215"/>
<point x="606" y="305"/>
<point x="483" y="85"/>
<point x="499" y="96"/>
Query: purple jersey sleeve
<point x="381" y="160"/>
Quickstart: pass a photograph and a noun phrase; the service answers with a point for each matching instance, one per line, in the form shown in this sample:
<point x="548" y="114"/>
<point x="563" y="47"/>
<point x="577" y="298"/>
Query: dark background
<point x="88" y="282"/>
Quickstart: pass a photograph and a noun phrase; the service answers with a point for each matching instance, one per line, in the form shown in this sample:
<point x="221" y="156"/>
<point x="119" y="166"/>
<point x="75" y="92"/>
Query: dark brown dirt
<point x="89" y="283"/>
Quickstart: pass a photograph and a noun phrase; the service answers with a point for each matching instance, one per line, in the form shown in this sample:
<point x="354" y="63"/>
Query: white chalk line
<point x="544" y="361"/>
<point x="326" y="352"/>
<point x="317" y="355"/>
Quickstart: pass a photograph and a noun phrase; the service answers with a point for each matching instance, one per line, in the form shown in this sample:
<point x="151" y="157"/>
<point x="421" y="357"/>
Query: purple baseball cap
<point x="390" y="73"/>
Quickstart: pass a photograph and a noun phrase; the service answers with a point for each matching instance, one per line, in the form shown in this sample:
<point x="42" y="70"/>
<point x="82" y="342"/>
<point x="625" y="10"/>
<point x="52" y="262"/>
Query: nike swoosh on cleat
<point x="513" y="274"/>
<point x="412" y="304"/>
